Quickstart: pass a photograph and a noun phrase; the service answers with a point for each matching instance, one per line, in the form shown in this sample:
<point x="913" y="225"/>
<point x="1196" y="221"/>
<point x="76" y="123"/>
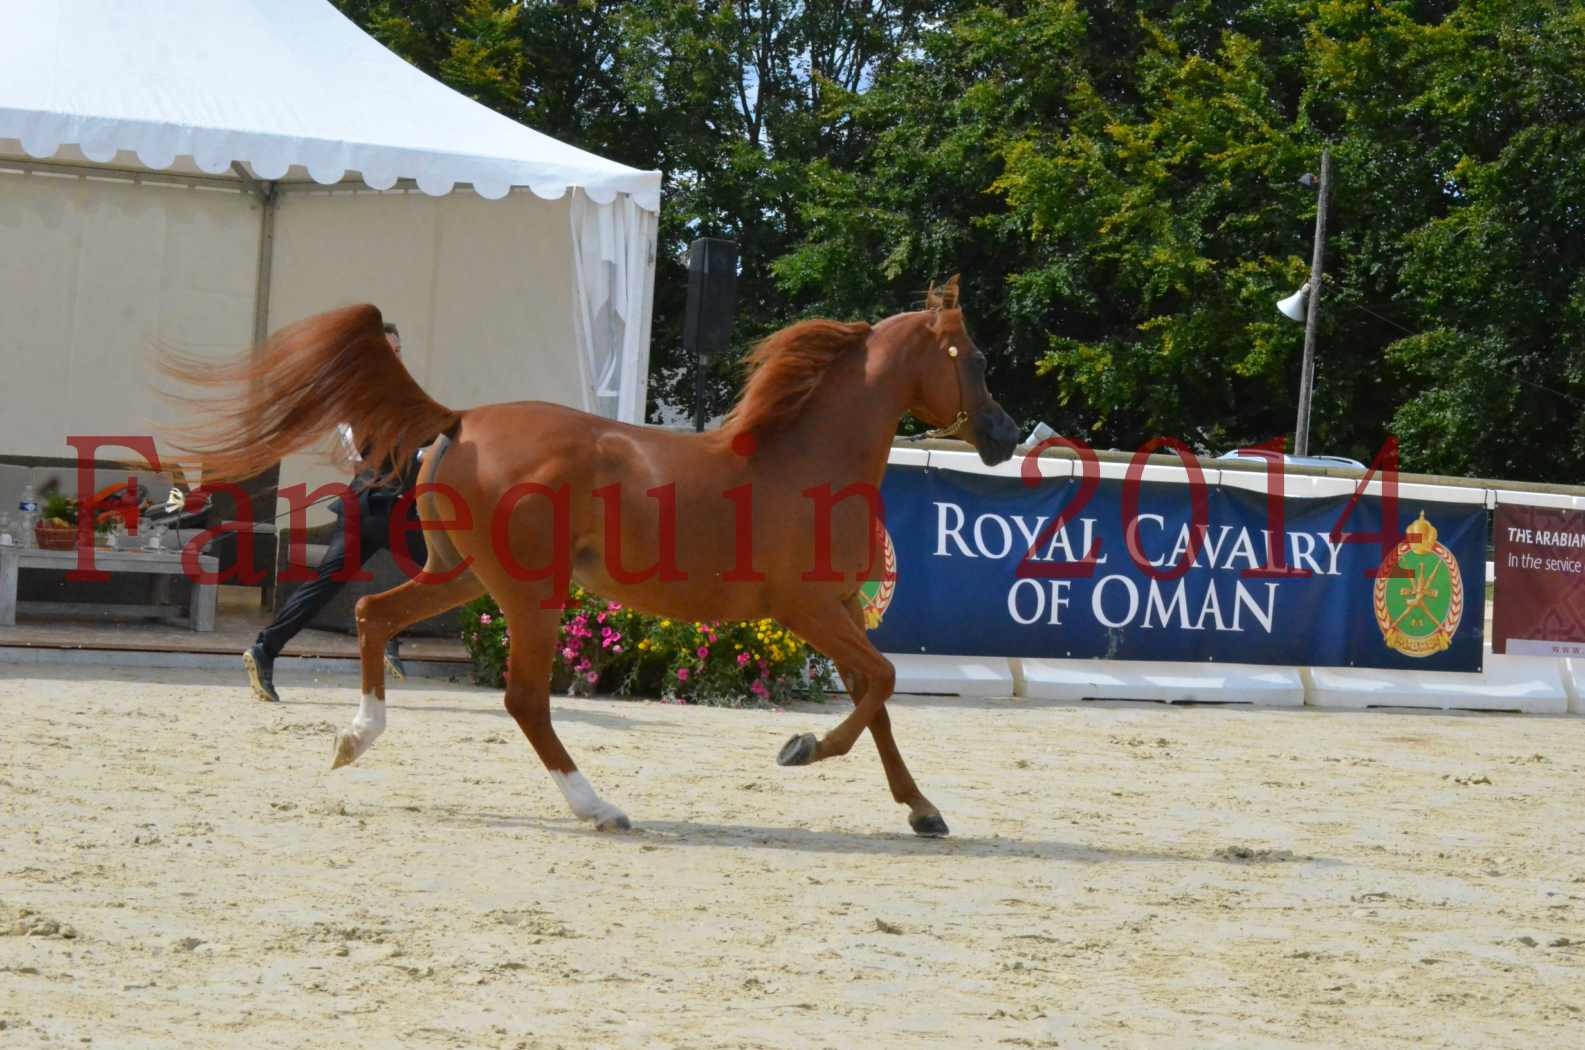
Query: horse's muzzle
<point x="995" y="434"/>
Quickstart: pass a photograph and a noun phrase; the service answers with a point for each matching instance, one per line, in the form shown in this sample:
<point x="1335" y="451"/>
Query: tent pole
<point x="263" y="488"/>
<point x="261" y="295"/>
<point x="268" y="194"/>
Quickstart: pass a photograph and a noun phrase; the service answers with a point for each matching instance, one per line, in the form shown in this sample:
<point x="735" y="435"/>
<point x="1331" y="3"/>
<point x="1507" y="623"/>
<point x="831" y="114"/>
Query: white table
<point x="200" y="612"/>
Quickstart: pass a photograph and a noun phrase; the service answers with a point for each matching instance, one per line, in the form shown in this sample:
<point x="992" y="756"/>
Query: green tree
<point x="1117" y="183"/>
<point x="739" y="97"/>
<point x="1491" y="107"/>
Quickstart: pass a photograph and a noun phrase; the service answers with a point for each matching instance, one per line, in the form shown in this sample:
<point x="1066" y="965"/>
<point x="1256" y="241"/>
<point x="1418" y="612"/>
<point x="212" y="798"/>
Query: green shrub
<point x="604" y="647"/>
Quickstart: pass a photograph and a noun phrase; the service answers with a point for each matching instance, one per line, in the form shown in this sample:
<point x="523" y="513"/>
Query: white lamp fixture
<point x="1293" y="307"/>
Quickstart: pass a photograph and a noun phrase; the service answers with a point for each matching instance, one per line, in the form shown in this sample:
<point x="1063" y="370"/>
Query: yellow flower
<point x="665" y="623"/>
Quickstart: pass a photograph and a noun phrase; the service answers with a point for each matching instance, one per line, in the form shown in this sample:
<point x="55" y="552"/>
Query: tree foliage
<point x="1118" y="183"/>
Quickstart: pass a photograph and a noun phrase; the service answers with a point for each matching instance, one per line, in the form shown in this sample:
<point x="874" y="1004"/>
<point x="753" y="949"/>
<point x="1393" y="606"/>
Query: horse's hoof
<point x="799" y="751"/>
<point x="615" y="822"/>
<point x="929" y="825"/>
<point x="346" y="750"/>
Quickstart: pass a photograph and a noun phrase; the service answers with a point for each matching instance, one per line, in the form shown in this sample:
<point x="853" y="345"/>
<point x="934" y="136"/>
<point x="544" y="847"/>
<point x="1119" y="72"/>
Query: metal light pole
<point x="1301" y="436"/>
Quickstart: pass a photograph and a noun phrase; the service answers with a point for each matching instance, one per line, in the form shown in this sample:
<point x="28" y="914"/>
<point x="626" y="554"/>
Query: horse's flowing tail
<point x="297" y="386"/>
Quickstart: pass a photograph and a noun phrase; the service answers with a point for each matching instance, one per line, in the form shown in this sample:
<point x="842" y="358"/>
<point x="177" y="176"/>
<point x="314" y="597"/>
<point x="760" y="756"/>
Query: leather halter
<point x="959" y="420"/>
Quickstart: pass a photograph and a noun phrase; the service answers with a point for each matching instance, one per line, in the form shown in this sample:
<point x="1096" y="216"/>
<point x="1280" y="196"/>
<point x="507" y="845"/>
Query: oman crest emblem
<point x="875" y="596"/>
<point x="1418" y="610"/>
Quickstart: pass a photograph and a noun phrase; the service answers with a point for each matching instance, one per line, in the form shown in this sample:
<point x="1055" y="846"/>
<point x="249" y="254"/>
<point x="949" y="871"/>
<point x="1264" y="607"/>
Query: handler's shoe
<point x="393" y="661"/>
<point x="261" y="672"/>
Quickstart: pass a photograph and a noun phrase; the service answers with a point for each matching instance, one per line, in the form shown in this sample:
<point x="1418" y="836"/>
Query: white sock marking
<point x="368" y="724"/>
<point x="582" y="799"/>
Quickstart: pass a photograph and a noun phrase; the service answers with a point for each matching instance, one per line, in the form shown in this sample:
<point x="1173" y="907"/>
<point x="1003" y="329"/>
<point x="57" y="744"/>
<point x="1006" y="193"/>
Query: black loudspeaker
<point x="712" y="294"/>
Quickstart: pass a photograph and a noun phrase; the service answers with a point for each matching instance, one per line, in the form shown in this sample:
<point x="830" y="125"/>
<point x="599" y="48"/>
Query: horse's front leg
<point x="923" y="816"/>
<point x="836" y="631"/>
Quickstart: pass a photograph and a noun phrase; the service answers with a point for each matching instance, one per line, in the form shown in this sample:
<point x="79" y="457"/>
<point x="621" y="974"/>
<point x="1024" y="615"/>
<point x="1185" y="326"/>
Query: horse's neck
<point x="852" y="418"/>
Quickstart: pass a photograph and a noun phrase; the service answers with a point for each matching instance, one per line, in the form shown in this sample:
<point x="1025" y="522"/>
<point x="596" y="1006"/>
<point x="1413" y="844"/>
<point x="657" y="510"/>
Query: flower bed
<point x="604" y="647"/>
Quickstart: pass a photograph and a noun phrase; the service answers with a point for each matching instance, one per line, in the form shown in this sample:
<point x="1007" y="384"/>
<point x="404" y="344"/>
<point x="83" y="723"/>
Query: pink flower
<point x="682" y="674"/>
<point x="614" y="607"/>
<point x="742" y="659"/>
<point x="704" y="654"/>
<point x="600" y="618"/>
<point x="568" y="653"/>
<point x="712" y="637"/>
<point x="484" y="617"/>
<point x="759" y="690"/>
<point x="592" y="677"/>
<point x="616" y="648"/>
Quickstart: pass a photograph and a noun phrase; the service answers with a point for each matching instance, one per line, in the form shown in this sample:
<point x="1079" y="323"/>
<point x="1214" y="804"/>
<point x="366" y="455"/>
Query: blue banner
<point x="981" y="570"/>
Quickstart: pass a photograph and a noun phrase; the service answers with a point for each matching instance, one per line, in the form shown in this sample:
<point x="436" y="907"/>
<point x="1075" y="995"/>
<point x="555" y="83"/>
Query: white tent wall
<point x="94" y="275"/>
<point x="102" y="101"/>
<point x="481" y="290"/>
<point x="100" y="271"/>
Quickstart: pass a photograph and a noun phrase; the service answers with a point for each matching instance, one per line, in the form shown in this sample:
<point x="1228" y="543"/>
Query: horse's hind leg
<point x="528" y="702"/>
<point x="380" y="618"/>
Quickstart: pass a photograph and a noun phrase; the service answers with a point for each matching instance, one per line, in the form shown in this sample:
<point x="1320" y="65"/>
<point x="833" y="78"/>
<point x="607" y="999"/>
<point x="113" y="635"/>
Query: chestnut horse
<point x="746" y="522"/>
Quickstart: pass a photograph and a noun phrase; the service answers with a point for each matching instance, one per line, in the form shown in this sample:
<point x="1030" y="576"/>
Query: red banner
<point x="1539" y="607"/>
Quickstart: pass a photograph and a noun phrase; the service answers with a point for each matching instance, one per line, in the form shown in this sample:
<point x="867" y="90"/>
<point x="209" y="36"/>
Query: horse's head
<point x="952" y="395"/>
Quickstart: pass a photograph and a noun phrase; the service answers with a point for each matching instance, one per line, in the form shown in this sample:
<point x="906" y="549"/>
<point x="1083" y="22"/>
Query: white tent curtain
<point x="614" y="274"/>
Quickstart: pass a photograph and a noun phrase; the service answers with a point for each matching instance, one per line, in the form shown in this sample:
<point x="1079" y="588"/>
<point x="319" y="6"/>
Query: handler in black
<point x="375" y="504"/>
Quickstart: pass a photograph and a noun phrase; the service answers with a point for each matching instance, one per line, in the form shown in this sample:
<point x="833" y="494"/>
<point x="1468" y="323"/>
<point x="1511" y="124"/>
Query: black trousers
<point x="374" y="535"/>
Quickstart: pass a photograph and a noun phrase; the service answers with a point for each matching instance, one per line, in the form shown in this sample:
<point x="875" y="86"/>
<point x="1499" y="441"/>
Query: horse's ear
<point x="932" y="298"/>
<point x="949" y="294"/>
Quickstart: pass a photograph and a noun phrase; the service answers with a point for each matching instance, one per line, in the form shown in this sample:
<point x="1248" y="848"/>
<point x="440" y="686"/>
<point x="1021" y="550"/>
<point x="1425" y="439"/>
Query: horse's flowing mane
<point x="785" y="369"/>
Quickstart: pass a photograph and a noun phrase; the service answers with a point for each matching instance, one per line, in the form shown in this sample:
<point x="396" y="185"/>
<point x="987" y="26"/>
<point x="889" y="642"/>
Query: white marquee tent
<point x="197" y="173"/>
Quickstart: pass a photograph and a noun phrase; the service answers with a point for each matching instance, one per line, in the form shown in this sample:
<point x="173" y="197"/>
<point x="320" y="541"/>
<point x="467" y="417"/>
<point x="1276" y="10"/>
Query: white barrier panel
<point x="1168" y="682"/>
<point x="1533" y="684"/>
<point x="1574" y="682"/>
<point x="952" y="675"/>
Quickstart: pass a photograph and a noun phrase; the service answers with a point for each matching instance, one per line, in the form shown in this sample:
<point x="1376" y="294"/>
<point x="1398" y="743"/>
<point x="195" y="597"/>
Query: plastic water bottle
<point x="29" y="506"/>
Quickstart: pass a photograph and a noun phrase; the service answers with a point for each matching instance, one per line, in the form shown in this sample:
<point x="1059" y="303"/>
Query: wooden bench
<point x="199" y="613"/>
